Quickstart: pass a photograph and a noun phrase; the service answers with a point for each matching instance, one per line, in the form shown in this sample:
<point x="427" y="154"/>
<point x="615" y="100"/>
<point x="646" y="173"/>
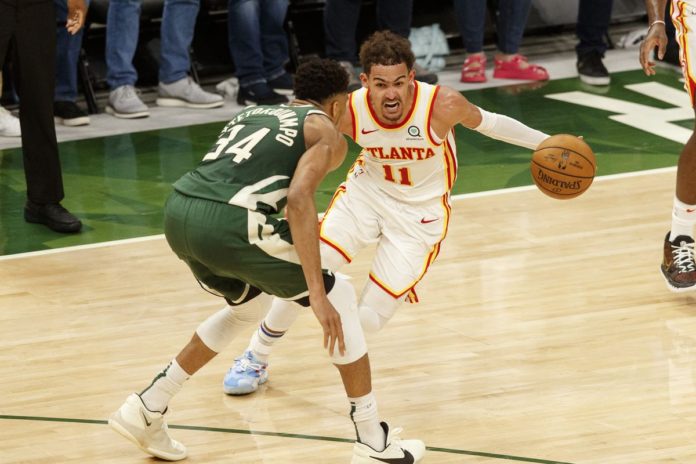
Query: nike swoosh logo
<point x="406" y="459"/>
<point x="147" y="422"/>
<point x="690" y="210"/>
<point x="363" y="131"/>
<point x="428" y="221"/>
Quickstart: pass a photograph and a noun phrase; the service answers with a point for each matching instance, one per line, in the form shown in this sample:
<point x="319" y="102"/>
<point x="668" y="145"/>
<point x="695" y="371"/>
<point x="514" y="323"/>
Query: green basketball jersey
<point x="253" y="160"/>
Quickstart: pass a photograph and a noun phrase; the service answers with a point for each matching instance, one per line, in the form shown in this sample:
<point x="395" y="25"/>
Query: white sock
<point x="164" y="386"/>
<point x="683" y="220"/>
<point x="363" y="412"/>
<point x="278" y="320"/>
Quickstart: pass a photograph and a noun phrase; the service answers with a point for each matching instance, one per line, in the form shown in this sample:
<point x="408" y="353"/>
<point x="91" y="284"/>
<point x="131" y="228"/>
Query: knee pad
<point x="342" y="297"/>
<point x="376" y="307"/>
<point x="218" y="330"/>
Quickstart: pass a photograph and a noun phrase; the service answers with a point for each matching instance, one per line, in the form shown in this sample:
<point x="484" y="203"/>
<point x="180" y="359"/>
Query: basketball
<point x="563" y="166"/>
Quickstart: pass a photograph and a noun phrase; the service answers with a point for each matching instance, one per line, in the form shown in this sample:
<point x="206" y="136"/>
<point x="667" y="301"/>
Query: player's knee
<point x="342" y="297"/>
<point x="376" y="308"/>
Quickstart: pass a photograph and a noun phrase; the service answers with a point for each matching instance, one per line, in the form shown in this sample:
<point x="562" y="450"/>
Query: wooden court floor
<point x="544" y="334"/>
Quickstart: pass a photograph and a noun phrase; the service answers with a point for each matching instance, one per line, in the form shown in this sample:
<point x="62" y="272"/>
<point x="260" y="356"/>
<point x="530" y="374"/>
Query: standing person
<point x="511" y="19"/>
<point x="592" y="27"/>
<point x="176" y="88"/>
<point x="266" y="158"/>
<point x="341" y="24"/>
<point x="259" y="48"/>
<point x="397" y="193"/>
<point x="678" y="264"/>
<point x="32" y="28"/>
<point x="68" y="46"/>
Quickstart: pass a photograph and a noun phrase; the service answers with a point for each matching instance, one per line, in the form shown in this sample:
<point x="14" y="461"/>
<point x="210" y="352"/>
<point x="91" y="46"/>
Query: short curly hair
<point x="319" y="79"/>
<point x="386" y="48"/>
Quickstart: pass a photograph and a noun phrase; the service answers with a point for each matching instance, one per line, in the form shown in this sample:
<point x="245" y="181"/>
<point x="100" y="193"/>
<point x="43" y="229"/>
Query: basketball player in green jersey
<point x="222" y="221"/>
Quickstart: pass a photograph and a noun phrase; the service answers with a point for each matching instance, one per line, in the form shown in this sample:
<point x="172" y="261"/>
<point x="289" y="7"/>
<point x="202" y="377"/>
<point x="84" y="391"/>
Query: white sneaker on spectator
<point x="187" y="93"/>
<point x="9" y="124"/>
<point x="228" y="88"/>
<point x="125" y="103"/>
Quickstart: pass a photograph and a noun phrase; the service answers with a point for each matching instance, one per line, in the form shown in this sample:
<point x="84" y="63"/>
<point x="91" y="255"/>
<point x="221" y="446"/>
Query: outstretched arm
<point x="326" y="149"/>
<point x="656" y="36"/>
<point x="452" y="108"/>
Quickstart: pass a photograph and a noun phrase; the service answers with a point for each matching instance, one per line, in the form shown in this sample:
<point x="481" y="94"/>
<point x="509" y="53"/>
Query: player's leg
<point x="376" y="442"/>
<point x="679" y="263"/>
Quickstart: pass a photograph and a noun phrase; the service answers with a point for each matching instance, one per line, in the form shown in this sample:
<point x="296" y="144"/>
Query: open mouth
<point x="391" y="107"/>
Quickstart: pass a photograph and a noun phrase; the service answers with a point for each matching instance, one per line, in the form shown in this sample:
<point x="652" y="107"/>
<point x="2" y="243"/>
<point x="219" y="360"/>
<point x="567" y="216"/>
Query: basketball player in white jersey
<point x="679" y="263"/>
<point x="397" y="192"/>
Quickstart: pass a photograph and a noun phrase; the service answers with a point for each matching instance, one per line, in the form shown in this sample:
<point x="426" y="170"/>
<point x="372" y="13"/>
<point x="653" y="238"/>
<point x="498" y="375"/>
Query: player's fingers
<point x="661" y="49"/>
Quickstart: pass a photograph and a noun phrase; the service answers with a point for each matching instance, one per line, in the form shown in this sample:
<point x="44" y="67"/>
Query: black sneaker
<point x="423" y="75"/>
<point x="259" y="94"/>
<point x="53" y="216"/>
<point x="592" y="70"/>
<point x="678" y="264"/>
<point x="283" y="84"/>
<point x="69" y="114"/>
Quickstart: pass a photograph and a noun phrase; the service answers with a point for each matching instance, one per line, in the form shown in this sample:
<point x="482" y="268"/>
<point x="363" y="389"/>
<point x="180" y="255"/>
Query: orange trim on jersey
<point x="353" y="114"/>
<point x="451" y="162"/>
<point x="429" y="115"/>
<point x="339" y="191"/>
<point x="682" y="33"/>
<point x="407" y="119"/>
<point x="384" y="287"/>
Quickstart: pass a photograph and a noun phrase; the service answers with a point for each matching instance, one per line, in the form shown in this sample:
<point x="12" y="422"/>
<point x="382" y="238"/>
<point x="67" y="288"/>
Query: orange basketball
<point x="563" y="166"/>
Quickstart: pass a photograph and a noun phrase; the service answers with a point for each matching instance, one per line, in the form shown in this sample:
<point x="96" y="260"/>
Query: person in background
<point x="68" y="48"/>
<point x="511" y="19"/>
<point x="31" y="27"/>
<point x="592" y="27"/>
<point x="341" y="24"/>
<point x="176" y="88"/>
<point x="259" y="48"/>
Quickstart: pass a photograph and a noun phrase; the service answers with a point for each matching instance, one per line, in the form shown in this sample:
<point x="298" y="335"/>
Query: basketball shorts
<point x="684" y="20"/>
<point x="232" y="250"/>
<point x="408" y="235"/>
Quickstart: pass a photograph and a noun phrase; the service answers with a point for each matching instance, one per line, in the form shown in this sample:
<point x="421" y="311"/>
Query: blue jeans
<point x="67" y="55"/>
<point x="123" y="27"/>
<point x="341" y="23"/>
<point x="592" y="26"/>
<point x="511" y="19"/>
<point x="256" y="38"/>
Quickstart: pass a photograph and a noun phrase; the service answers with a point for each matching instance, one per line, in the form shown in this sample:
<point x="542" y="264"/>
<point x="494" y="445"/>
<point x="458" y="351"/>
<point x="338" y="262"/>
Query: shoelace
<point x="246" y="364"/>
<point x="684" y="257"/>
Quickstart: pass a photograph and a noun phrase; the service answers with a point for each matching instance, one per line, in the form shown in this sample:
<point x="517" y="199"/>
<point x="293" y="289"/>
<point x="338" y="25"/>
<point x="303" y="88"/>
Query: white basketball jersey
<point x="407" y="161"/>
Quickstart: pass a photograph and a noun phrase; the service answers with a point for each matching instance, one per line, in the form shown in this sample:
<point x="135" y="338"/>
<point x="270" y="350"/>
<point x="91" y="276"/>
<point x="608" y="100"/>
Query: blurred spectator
<point x="259" y="48"/>
<point x="341" y="23"/>
<point x="68" y="48"/>
<point x="31" y="27"/>
<point x="511" y="19"/>
<point x="176" y="88"/>
<point x="591" y="29"/>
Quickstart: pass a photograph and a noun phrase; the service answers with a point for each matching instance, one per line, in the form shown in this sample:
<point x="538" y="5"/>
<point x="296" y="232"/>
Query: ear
<point x="363" y="79"/>
<point x="412" y="76"/>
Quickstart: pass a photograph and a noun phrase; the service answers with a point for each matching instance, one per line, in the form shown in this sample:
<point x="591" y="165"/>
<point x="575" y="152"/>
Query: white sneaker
<point x="187" y="93"/>
<point x="398" y="451"/>
<point x="9" y="124"/>
<point x="147" y="429"/>
<point x="125" y="103"/>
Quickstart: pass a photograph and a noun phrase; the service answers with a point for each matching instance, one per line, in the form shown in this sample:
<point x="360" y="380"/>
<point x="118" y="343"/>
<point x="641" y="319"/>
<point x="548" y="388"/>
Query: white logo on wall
<point x="656" y="121"/>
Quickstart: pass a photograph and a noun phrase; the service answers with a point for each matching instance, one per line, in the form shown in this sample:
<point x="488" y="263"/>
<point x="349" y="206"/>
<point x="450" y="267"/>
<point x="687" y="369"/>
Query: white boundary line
<point x="463" y="196"/>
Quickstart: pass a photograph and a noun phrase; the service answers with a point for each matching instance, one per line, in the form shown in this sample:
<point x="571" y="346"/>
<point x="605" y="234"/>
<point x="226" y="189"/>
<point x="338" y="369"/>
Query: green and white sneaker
<point x="147" y="429"/>
<point x="397" y="451"/>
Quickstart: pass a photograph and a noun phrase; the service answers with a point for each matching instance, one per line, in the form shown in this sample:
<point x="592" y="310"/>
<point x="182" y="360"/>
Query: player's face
<point x="391" y="91"/>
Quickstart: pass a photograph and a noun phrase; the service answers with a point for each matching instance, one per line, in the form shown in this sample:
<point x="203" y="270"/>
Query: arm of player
<point x="452" y="108"/>
<point x="326" y="149"/>
<point x="656" y="37"/>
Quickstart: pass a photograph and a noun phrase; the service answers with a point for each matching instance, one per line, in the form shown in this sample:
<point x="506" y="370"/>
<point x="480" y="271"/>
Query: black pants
<point x="593" y="23"/>
<point x="30" y="25"/>
<point x="341" y="24"/>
